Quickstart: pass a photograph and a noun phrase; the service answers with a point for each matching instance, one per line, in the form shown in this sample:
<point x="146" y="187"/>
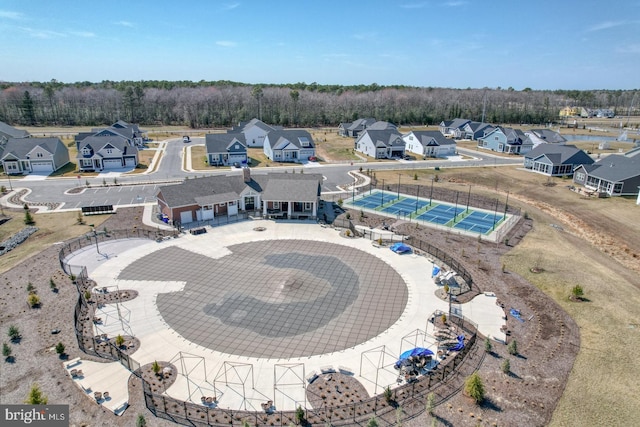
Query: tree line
<point x="211" y="104"/>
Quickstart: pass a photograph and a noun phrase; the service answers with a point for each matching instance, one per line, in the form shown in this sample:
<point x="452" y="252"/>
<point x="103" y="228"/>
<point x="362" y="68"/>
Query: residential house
<point x="355" y="128"/>
<point x="104" y="152"/>
<point x="27" y="155"/>
<point x="131" y="132"/>
<point x="291" y="145"/>
<point x="453" y="128"/>
<point x="7" y="132"/>
<point x="605" y="113"/>
<point x="273" y="195"/>
<point x="254" y="132"/>
<point x="613" y="175"/>
<point x="224" y="149"/>
<point x="506" y="140"/>
<point x="382" y="125"/>
<point x="429" y="144"/>
<point x="545" y="136"/>
<point x="556" y="160"/>
<point x="475" y="130"/>
<point x="381" y="144"/>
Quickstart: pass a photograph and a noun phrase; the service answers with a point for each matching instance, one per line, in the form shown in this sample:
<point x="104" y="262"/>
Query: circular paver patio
<point x="276" y="298"/>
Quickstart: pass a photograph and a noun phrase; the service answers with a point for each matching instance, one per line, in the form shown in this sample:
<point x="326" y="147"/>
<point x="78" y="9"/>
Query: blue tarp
<point x="418" y="351"/>
<point x="460" y="344"/>
<point x="435" y="271"/>
<point x="400" y="248"/>
<point x="516" y="313"/>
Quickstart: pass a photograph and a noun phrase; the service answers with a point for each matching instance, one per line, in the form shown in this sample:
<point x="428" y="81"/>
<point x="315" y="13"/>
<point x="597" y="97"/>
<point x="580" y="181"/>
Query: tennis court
<point x="431" y="211"/>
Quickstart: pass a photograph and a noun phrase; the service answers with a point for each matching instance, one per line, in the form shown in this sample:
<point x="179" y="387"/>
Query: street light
<point x="95" y="234"/>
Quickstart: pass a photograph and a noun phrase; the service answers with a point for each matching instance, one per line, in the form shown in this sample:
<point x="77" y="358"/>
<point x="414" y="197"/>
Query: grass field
<point x="599" y="249"/>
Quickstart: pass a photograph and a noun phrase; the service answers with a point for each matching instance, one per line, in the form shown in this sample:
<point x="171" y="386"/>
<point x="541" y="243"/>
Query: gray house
<point x="475" y="130"/>
<point x="614" y="175"/>
<point x="27" y="155"/>
<point x="291" y="145"/>
<point x="453" y="128"/>
<point x="224" y="149"/>
<point x="545" y="136"/>
<point x="506" y="140"/>
<point x="254" y="132"/>
<point x="7" y="132"/>
<point x="98" y="153"/>
<point x="273" y="195"/>
<point x="556" y="160"/>
<point x="353" y="129"/>
<point x="381" y="144"/>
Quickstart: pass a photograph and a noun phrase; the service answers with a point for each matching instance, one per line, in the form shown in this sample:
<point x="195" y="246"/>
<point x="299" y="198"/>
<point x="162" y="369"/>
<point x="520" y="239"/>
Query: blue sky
<point x="541" y="44"/>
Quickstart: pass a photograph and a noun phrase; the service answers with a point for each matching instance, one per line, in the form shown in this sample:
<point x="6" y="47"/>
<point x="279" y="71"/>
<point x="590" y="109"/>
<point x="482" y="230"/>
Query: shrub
<point x="577" y="292"/>
<point x="388" y="394"/>
<point x="52" y="284"/>
<point x="87" y="295"/>
<point x="119" y="340"/>
<point x="60" y="348"/>
<point x="141" y="421"/>
<point x="488" y="347"/>
<point x="14" y="333"/>
<point x="28" y="218"/>
<point x="6" y="350"/>
<point x="36" y="397"/>
<point x="340" y="202"/>
<point x="474" y="388"/>
<point x="512" y="348"/>
<point x="299" y="414"/>
<point x="348" y="215"/>
<point x="33" y="300"/>
<point x="373" y="422"/>
<point x="431" y="403"/>
<point x="506" y="366"/>
<point x="30" y="288"/>
<point x="443" y="318"/>
<point x="155" y="367"/>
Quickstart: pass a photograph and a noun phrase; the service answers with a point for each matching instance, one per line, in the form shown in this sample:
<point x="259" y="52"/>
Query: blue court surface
<point x="472" y="220"/>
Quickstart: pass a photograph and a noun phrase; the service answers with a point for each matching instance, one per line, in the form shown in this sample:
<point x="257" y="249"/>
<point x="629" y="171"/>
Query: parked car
<point x="313" y="159"/>
<point x="236" y="165"/>
<point x="186" y="138"/>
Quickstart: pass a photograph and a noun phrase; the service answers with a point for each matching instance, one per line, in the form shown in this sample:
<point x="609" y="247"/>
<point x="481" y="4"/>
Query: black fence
<point x="408" y="400"/>
<point x="97" y="210"/>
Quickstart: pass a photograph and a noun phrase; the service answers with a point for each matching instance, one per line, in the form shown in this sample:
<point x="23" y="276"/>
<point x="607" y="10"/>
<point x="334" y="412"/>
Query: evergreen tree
<point x="28" y="109"/>
<point x="36" y="397"/>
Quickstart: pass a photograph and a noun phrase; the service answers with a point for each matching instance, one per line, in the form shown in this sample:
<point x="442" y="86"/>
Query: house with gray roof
<point x="254" y="131"/>
<point x="613" y="175"/>
<point x="506" y="140"/>
<point x="291" y="145"/>
<point x="545" y="136"/>
<point x="105" y="151"/>
<point x="353" y="129"/>
<point x="131" y="132"/>
<point x="453" y="128"/>
<point x="427" y="143"/>
<point x="7" y="132"/>
<point x="556" y="160"/>
<point x="273" y="195"/>
<point x="224" y="149"/>
<point x="27" y="155"/>
<point x="381" y="144"/>
<point x="475" y="130"/>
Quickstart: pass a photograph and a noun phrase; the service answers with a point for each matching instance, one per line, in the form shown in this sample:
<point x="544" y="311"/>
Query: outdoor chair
<point x="105" y="395"/>
<point x="97" y="395"/>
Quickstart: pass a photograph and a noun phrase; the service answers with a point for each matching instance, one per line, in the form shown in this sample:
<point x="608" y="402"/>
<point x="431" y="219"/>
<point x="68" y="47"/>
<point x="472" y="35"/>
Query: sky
<point x="537" y="44"/>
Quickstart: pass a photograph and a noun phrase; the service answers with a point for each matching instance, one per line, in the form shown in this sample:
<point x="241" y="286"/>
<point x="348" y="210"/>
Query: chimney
<point x="246" y="174"/>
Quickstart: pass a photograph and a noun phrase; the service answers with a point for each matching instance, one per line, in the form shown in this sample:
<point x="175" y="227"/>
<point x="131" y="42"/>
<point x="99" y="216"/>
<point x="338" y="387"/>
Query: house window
<point x="579" y="176"/>
<point x="232" y="203"/>
<point x="307" y="206"/>
<point x="276" y="205"/>
<point x="86" y="152"/>
<point x="109" y="151"/>
<point x="38" y="154"/>
<point x="207" y="208"/>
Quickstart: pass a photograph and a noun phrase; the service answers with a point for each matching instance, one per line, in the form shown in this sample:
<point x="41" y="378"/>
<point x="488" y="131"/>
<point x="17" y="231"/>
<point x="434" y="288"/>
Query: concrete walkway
<point x="241" y="382"/>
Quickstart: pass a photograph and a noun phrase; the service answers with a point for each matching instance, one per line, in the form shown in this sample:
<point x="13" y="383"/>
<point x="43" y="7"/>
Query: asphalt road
<point x="141" y="188"/>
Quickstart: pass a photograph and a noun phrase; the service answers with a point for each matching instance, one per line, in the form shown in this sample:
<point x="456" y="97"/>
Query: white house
<point x="292" y="145"/>
<point x="381" y="144"/>
<point x="429" y="144"/>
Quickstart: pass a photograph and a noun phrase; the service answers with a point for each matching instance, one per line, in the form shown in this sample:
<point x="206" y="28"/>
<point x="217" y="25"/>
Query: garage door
<point x="41" y="167"/>
<point x="186" y="217"/>
<point x="112" y="164"/>
<point x="130" y="161"/>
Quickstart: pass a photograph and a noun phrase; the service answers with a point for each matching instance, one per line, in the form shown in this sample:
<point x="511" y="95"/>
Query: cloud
<point x="230" y="6"/>
<point x="125" y="24"/>
<point x="455" y="3"/>
<point x="9" y="14"/>
<point x="42" y="34"/>
<point x="226" y="43"/>
<point x="632" y="48"/>
<point x="86" y="34"/>
<point x="419" y="5"/>
<point x="605" y="25"/>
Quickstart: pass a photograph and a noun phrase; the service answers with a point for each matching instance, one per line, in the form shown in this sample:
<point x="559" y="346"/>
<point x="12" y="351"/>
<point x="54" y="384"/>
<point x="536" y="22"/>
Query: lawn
<point x="599" y="249"/>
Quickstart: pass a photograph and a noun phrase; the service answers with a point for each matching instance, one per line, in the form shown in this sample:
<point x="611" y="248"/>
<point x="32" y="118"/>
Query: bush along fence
<point x="407" y="401"/>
